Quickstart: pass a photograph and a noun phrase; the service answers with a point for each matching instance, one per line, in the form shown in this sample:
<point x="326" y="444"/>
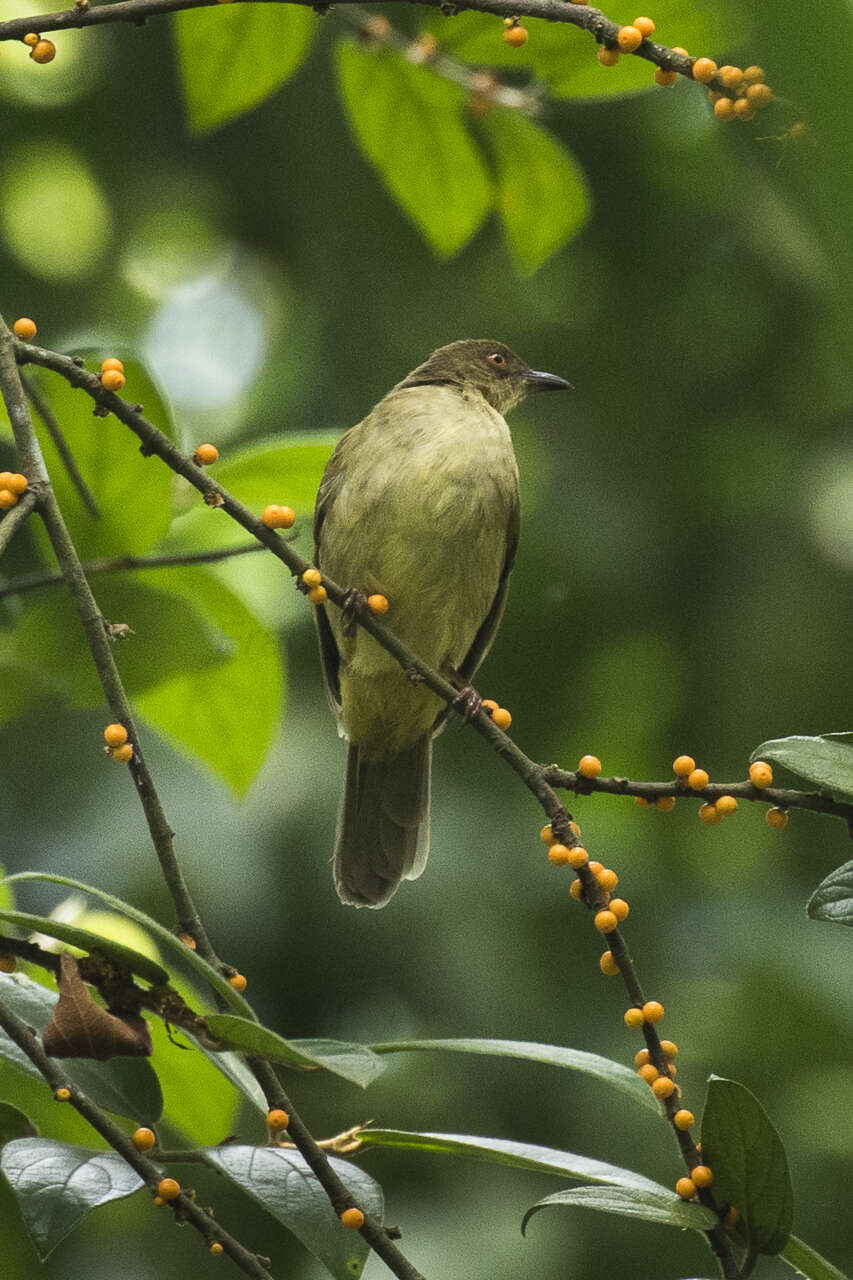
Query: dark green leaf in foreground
<point x="833" y="898"/>
<point x="603" y="1069"/>
<point x="807" y="1262"/>
<point x="233" y="58"/>
<point x="125" y="1086"/>
<point x="354" y="1062"/>
<point x="662" y="1206"/>
<point x="409" y="124"/>
<point x="14" y="1124"/>
<point x="283" y="1184"/>
<point x="750" y="1167"/>
<point x="56" y="1185"/>
<point x="826" y="760"/>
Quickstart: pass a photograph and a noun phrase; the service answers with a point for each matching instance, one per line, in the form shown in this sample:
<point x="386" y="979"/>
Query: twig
<point x="15" y="517"/>
<point x="48" y="417"/>
<point x="121" y="564"/>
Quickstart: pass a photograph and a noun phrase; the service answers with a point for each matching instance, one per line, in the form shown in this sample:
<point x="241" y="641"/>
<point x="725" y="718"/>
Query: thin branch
<point x="15" y="517"/>
<point x="122" y="564"/>
<point x="48" y="417"/>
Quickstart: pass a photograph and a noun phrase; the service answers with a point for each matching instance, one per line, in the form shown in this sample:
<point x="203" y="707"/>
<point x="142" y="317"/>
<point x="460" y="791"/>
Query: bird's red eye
<point x="496" y="359"/>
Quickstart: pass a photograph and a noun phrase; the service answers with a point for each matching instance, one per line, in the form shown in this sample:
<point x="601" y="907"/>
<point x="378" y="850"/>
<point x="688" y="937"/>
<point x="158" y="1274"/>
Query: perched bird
<point x="418" y="503"/>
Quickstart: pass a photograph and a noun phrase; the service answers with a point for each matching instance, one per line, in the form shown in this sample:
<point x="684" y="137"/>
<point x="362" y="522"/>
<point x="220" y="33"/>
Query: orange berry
<point x="276" y="517"/>
<point x="683" y="765"/>
<point x="641" y="802"/>
<point x="377" y="604"/>
<point x="576" y="890"/>
<point x="168" y="1189"/>
<point x="317" y="595"/>
<point x="731" y="76"/>
<point x="546" y="835"/>
<point x="144" y="1139"/>
<point x="25" y="328"/>
<point x="663" y="1087"/>
<point x="112" y="379"/>
<point x="43" y="51"/>
<point x="238" y="982"/>
<point x="205" y="455"/>
<point x="619" y="907"/>
<point x="676" y="48"/>
<point x="702" y="1175"/>
<point x="630" y="38"/>
<point x="607" y="879"/>
<point x="760" y="773"/>
<point x="17" y="483"/>
<point x="753" y="74"/>
<point x="759" y="95"/>
<point x="112" y="362"/>
<point x="645" y="26"/>
<point x="725" y="805"/>
<point x="312" y="577"/>
<point x="652" y="1011"/>
<point x="608" y="57"/>
<point x="278" y="1119"/>
<point x="683" y="1119"/>
<point x="596" y="868"/>
<point x="516" y="36"/>
<point x="686" y="1188"/>
<point x="490" y="706"/>
<point x="216" y="1248"/>
<point x="159" y="1201"/>
<point x="589" y="766"/>
<point x="123" y="754"/>
<point x="575" y="829"/>
<point x="670" y="1048"/>
<point x="8" y="499"/>
<point x="704" y="69"/>
<point x="559" y="855"/>
<point x="665" y="78"/>
<point x="641" y="1057"/>
<point x="634" y="1017"/>
<point x="62" y="1095"/>
<point x="352" y="1218"/>
<point x="724" y="109"/>
<point x="665" y="803"/>
<point x="697" y="779"/>
<point x="31" y="39"/>
<point x="578" y="857"/>
<point x="502" y="718"/>
<point x="8" y="964"/>
<point x="731" y="1217"/>
<point x="605" y="921"/>
<point x="777" y="818"/>
<point x="648" y="1072"/>
<point x="115" y="735"/>
<point x="188" y="940"/>
<point x="607" y="963"/>
<point x="743" y="110"/>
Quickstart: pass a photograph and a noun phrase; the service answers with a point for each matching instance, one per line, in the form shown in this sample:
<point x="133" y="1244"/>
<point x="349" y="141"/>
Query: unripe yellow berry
<point x="605" y="921"/>
<point x="578" y="857"/>
<point x="645" y="26"/>
<point x="502" y="718"/>
<point x="665" y="78"/>
<point x="709" y="814"/>
<point x="608" y="57"/>
<point x="352" y="1218"/>
<point x="43" y="51"/>
<point x="112" y="362"/>
<point x="317" y="595"/>
<point x="760" y="773"/>
<point x="670" y="1049"/>
<point x="277" y="1118"/>
<point x="559" y="855"/>
<point x="607" y="963"/>
<point x="516" y="36"/>
<point x="17" y="483"/>
<point x="62" y="1095"/>
<point x="634" y="1018"/>
<point x="753" y="74"/>
<point x="648" y="1072"/>
<point x="377" y="603"/>
<point x="276" y="517"/>
<point x="239" y="982"/>
<point x="630" y="38"/>
<point x="683" y="765"/>
<point x="31" y="39"/>
<point x="665" y="803"/>
<point x="724" y="109"/>
<point x="731" y="76"/>
<point x="123" y="754"/>
<point x="702" y="1175"/>
<point x="216" y="1248"/>
<point x="144" y="1139"/>
<point x="312" y="577"/>
<point x="686" y="1188"/>
<point x="8" y="499"/>
<point x="697" y="779"/>
<point x="8" y="964"/>
<point x="205" y="455"/>
<point x="589" y="766"/>
<point x="168" y="1189"/>
<point x="652" y="1011"/>
<point x="115" y="735"/>
<point x="683" y="1119"/>
<point x="663" y="1087"/>
<point x="725" y="805"/>
<point x="619" y="907"/>
<point x="641" y="1057"/>
<point x="25" y="328"/>
<point x="704" y="69"/>
<point x="777" y="818"/>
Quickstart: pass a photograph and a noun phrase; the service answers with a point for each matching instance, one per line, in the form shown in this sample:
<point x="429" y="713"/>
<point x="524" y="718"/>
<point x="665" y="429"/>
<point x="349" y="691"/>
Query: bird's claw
<point x="355" y="602"/>
<point x="468" y="702"/>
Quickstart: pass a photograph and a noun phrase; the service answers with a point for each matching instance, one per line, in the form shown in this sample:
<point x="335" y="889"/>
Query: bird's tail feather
<point x="383" y="832"/>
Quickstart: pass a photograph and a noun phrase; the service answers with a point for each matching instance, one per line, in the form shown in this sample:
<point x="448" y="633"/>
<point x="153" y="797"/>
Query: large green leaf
<point x="354" y="1062"/>
<point x="232" y="57"/>
<point x="826" y="759"/>
<point x="542" y="195"/>
<point x="750" y="1167"/>
<point x="56" y="1185"/>
<point x="833" y="898"/>
<point x="662" y="1206"/>
<point x="807" y="1262"/>
<point x="283" y="1184"/>
<point x="124" y="1086"/>
<point x="517" y="1155"/>
<point x="88" y="941"/>
<point x="14" y="1124"/>
<point x="603" y="1069"/>
<point x="409" y="124"/>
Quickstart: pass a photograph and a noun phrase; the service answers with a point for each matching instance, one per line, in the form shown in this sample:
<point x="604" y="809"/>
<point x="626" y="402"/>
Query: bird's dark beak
<point x="538" y="381"/>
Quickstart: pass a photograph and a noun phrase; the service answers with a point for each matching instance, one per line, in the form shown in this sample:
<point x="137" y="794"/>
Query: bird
<point x="418" y="503"/>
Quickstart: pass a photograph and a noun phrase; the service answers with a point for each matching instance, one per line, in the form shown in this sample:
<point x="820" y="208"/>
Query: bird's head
<point x="479" y="364"/>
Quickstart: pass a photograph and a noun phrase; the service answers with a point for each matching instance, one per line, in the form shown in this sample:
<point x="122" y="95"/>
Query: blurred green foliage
<point x="683" y="581"/>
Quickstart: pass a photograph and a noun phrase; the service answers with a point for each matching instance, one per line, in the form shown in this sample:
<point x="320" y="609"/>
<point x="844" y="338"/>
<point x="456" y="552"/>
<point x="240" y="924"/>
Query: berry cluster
<point x="115" y="736"/>
<point x="40" y="50"/>
<point x="12" y="485"/>
<point x="112" y="374"/>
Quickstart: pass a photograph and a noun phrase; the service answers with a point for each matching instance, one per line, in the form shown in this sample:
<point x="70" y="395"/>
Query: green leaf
<point x="227" y="721"/>
<point x="826" y="760"/>
<point x="663" y="1206"/>
<point x="354" y="1062"/>
<point x="283" y="1184"/>
<point x="517" y="1155"/>
<point x="603" y="1069"/>
<point x="56" y="1185"/>
<point x="232" y="58"/>
<point x="806" y="1261"/>
<point x="750" y="1167"/>
<point x="134" y="493"/>
<point x="833" y="898"/>
<point x="88" y="941"/>
<point x="14" y="1124"/>
<point x="542" y="195"/>
<point x="409" y="124"/>
<point x="124" y="1086"/>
